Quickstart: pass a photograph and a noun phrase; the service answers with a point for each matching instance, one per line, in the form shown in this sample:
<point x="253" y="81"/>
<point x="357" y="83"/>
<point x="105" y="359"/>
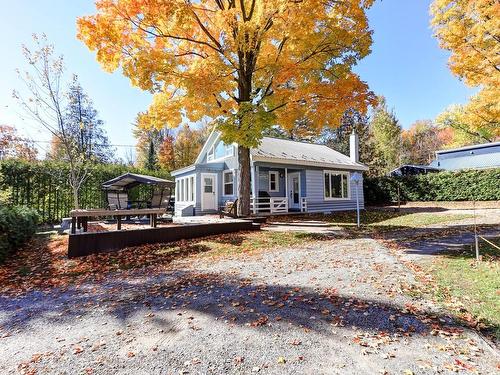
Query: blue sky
<point x="406" y="64"/>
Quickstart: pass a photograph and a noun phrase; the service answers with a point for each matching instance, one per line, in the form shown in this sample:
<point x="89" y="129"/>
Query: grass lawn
<point x="247" y="242"/>
<point x="472" y="290"/>
<point x="385" y="219"/>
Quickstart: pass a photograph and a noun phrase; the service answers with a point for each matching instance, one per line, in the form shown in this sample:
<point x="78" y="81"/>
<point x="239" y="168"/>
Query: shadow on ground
<point x="237" y="300"/>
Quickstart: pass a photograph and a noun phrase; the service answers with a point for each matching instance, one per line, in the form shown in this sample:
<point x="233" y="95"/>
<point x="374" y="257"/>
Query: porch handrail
<point x="269" y="204"/>
<point x="279" y="204"/>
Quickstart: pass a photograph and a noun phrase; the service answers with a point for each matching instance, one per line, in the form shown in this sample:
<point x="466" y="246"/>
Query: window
<point x="182" y="190"/>
<point x="229" y="150"/>
<point x="228" y="183"/>
<point x="185" y="189"/>
<point x="210" y="155"/>
<point x="274" y="182"/>
<point x="191" y="184"/>
<point x="336" y="185"/>
<point x="220" y="151"/>
<point x="208" y="182"/>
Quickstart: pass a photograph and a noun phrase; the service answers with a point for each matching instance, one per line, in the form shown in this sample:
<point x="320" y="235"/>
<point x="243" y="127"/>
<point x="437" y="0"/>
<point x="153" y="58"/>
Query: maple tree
<point x="249" y="64"/>
<point x="470" y="30"/>
<point x="188" y="144"/>
<point x="421" y="140"/>
<point x="14" y="146"/>
<point x="166" y="154"/>
<point x="181" y="150"/>
<point x="465" y="127"/>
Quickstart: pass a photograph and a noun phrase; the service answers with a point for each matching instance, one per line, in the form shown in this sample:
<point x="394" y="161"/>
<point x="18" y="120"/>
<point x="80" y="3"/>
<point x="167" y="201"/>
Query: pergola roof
<point x="129" y="180"/>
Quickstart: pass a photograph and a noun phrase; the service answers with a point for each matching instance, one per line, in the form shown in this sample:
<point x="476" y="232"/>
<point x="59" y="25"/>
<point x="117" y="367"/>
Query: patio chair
<point x="117" y="200"/>
<point x="229" y="209"/>
<point x="161" y="199"/>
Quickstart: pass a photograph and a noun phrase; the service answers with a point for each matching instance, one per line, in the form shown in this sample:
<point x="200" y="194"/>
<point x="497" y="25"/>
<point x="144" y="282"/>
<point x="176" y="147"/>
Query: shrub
<point x="17" y="225"/>
<point x="480" y="185"/>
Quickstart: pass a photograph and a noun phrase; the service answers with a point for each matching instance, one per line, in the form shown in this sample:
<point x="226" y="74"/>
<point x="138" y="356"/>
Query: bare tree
<point x="45" y="102"/>
<point x="129" y="157"/>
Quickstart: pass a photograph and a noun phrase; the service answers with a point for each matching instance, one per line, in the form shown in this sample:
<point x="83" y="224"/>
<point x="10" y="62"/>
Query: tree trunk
<point x="244" y="181"/>
<point x="75" y="199"/>
<point x="75" y="188"/>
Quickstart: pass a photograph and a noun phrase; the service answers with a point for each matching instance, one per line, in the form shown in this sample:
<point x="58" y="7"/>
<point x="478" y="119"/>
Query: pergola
<point x="129" y="180"/>
<point x="118" y="187"/>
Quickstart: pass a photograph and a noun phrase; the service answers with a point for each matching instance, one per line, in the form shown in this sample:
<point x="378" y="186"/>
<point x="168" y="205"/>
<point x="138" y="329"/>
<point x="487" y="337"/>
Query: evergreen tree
<point x="83" y="127"/>
<point x="149" y="141"/>
<point x="338" y="138"/>
<point x="152" y="160"/>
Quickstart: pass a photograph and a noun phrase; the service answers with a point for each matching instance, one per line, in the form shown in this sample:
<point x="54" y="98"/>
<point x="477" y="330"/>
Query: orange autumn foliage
<point x="209" y="57"/>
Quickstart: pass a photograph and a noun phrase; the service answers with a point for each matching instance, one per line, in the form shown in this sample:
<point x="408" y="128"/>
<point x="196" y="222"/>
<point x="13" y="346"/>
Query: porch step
<point x="301" y="223"/>
<point x="255" y="219"/>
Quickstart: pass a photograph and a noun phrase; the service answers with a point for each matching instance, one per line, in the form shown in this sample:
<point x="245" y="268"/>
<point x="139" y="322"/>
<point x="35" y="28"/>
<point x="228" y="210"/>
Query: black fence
<point x="44" y="186"/>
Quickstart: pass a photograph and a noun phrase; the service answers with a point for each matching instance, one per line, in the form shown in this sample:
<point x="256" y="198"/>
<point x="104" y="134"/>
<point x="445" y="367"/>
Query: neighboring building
<point x="412" y="170"/>
<point x="481" y="156"/>
<point x="286" y="176"/>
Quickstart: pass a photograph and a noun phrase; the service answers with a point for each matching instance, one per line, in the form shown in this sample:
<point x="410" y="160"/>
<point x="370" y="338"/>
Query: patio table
<point x="81" y="217"/>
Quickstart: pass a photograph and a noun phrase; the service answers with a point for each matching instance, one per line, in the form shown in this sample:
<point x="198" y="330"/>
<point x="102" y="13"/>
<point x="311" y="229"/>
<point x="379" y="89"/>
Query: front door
<point x="294" y="190"/>
<point x="208" y="192"/>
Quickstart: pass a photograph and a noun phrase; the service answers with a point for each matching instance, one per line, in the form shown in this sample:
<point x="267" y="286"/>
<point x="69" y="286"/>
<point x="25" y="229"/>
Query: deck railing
<point x="273" y="205"/>
<point x="303" y="204"/>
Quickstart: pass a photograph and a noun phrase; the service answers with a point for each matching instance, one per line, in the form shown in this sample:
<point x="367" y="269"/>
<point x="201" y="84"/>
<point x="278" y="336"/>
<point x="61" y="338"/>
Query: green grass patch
<point x="470" y="287"/>
<point x="421" y="219"/>
<point x="238" y="243"/>
<point x="385" y="218"/>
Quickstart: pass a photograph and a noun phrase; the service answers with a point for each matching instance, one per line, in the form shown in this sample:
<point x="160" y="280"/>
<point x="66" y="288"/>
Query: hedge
<point x="43" y="185"/>
<point x="467" y="185"/>
<point x="17" y="225"/>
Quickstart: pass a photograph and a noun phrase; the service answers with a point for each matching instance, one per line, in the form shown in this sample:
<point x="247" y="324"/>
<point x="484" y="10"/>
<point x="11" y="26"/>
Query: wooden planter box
<point x="97" y="242"/>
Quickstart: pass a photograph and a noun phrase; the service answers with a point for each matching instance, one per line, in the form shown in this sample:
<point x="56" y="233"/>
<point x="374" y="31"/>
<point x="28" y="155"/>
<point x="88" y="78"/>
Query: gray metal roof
<point x="286" y="151"/>
<point x="129" y="180"/>
<point x="467" y="148"/>
<point x="481" y="161"/>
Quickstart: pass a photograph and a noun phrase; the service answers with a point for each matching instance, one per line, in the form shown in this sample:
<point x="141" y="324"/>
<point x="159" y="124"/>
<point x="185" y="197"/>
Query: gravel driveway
<point x="331" y="307"/>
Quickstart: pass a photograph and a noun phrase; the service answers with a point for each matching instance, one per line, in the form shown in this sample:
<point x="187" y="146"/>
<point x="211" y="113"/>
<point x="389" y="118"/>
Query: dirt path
<point x="332" y="307"/>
